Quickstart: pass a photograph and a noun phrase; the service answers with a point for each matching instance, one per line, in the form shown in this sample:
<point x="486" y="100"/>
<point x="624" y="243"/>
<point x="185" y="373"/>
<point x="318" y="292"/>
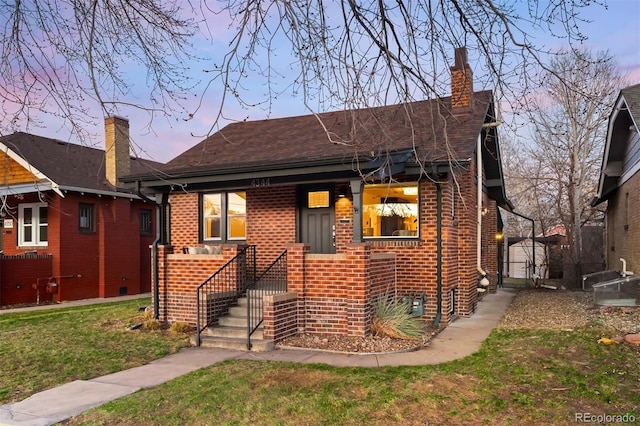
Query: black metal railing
<point x="222" y="289"/>
<point x="272" y="281"/>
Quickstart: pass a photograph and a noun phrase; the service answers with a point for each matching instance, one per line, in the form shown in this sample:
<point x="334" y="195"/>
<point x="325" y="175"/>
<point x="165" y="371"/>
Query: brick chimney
<point x="117" y="158"/>
<point x="461" y="83"/>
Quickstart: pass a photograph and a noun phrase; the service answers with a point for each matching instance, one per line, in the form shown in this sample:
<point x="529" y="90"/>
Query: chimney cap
<point x="460" y="54"/>
<point x="116" y="117"/>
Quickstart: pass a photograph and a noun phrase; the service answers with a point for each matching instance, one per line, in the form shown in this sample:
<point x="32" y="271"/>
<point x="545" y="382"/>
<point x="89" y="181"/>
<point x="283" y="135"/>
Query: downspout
<point x="154" y="249"/>
<point x="436" y="321"/>
<point x="479" y="206"/>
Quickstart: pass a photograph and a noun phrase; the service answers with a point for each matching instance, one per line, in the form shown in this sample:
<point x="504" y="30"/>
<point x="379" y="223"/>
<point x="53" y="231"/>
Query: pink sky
<point x="615" y="29"/>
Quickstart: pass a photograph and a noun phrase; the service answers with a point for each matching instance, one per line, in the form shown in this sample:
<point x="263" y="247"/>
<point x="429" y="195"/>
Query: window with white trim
<point x="224" y="216"/>
<point x="390" y="210"/>
<point x="33" y="225"/>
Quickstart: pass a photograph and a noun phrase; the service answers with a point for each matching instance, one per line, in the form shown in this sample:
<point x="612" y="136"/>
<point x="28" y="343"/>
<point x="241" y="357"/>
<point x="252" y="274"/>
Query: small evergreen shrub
<point x="393" y="318"/>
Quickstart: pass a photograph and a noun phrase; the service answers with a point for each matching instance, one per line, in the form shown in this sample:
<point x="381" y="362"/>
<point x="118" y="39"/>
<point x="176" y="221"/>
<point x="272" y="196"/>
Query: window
<point x="318" y="199"/>
<point x="224" y="216"/>
<point x="390" y="210"/>
<point x="33" y="224"/>
<point x="145" y="222"/>
<point x="626" y="211"/>
<point x="236" y="215"/>
<point x="87" y="224"/>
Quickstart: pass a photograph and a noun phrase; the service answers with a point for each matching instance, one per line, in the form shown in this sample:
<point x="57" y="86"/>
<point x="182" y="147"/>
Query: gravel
<point x="531" y="309"/>
<point x="566" y="310"/>
<point x="356" y="345"/>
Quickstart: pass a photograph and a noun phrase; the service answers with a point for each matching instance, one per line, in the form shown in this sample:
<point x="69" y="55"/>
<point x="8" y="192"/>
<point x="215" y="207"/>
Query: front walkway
<point x="462" y="338"/>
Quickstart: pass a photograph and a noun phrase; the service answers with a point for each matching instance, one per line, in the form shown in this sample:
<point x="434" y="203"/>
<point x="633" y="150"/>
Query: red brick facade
<point x="336" y="293"/>
<point x="115" y="259"/>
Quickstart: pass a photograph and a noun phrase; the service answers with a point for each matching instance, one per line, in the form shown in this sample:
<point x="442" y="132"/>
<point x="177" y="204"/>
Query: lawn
<point x="519" y="377"/>
<point x="46" y="348"/>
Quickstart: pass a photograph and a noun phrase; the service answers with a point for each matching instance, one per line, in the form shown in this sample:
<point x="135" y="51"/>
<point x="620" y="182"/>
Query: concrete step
<point x="232" y="321"/>
<point x="235" y="343"/>
<point x="238" y="311"/>
<point x="226" y="331"/>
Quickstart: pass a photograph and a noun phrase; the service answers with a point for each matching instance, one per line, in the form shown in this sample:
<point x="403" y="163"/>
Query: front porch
<point x="324" y="293"/>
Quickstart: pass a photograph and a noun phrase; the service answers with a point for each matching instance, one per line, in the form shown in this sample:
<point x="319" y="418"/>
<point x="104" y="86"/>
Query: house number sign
<point x="257" y="183"/>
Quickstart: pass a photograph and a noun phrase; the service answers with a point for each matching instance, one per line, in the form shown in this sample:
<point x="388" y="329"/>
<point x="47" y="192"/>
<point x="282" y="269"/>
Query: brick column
<point x="359" y="260"/>
<point x="163" y="251"/>
<point x="490" y="245"/>
<point x="296" y="279"/>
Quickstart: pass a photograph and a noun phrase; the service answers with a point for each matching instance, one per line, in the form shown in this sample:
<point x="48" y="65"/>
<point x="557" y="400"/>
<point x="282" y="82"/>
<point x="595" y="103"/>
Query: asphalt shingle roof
<point x="67" y="164"/>
<point x="429" y="126"/>
<point x="631" y="96"/>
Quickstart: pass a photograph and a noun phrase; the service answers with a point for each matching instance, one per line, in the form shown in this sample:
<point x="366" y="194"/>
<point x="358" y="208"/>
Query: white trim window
<point x="33" y="225"/>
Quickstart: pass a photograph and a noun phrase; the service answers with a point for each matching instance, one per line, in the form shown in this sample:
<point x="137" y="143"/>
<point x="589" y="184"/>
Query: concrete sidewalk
<point x="459" y="339"/>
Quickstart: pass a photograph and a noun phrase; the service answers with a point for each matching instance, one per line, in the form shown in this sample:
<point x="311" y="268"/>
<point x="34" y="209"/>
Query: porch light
<point x="499" y="236"/>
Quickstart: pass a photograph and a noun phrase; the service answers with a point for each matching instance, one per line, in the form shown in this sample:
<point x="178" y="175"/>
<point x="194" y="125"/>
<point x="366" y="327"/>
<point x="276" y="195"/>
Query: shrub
<point x="393" y="319"/>
<point x="151" y="325"/>
<point x="180" y="328"/>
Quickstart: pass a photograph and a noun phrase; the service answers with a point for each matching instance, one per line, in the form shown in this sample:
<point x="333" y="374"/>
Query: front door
<point x="317" y="219"/>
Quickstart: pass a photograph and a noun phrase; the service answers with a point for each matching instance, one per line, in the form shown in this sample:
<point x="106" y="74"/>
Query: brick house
<point x="619" y="183"/>
<point x="64" y="201"/>
<point x="369" y="203"/>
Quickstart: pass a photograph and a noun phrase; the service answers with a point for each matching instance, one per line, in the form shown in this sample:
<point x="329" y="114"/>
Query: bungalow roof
<point x="65" y="165"/>
<point x="427" y="132"/>
<point x="342" y="136"/>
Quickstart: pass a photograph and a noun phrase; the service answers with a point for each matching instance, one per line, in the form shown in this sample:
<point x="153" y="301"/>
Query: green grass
<point x="519" y="377"/>
<point x="46" y="348"/>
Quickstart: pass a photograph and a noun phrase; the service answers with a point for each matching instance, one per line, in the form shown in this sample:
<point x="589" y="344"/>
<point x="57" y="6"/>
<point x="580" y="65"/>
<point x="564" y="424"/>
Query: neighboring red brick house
<point x="619" y="182"/>
<point x="64" y="200"/>
<point x="366" y="203"/>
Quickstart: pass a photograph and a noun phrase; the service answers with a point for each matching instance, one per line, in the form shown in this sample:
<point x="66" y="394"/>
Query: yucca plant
<point x="393" y="318"/>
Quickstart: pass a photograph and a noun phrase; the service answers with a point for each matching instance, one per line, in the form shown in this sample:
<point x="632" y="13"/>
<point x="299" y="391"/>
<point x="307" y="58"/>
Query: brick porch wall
<point x="280" y="316"/>
<point x="336" y="293"/>
<point x="179" y="277"/>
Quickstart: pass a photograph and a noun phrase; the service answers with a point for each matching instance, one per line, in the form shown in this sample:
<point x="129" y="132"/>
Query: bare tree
<point x="69" y="58"/>
<point x="561" y="163"/>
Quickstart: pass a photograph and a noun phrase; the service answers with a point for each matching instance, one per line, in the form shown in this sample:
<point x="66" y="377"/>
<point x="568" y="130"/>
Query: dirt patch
<point x="350" y="344"/>
<point x="566" y="310"/>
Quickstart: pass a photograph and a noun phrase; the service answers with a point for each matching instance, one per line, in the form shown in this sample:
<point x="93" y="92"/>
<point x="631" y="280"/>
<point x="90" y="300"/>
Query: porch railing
<point x="272" y="281"/>
<point x="224" y="288"/>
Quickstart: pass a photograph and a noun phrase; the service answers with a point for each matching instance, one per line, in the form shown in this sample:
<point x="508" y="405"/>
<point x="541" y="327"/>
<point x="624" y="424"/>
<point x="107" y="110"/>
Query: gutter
<point x="154" y="250"/>
<point x="479" y="170"/>
<point x="481" y="271"/>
